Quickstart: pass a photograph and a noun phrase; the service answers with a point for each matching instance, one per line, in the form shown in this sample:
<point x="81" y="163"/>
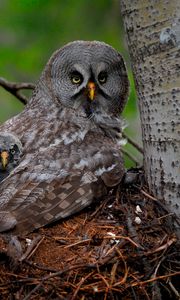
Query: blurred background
<point x="31" y="30"/>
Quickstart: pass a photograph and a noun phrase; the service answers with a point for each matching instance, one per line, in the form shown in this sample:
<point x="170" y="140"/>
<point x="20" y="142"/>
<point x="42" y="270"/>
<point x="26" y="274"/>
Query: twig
<point x="155" y="278"/>
<point x="15" y="87"/>
<point x="77" y="243"/>
<point x="40" y="267"/>
<point x="174" y="290"/>
<point x="147" y="195"/>
<point x="33" y="291"/>
<point x="132" y="158"/>
<point x="80" y="284"/>
<point x="99" y="208"/>
<point x="163" y="247"/>
<point x="127" y="238"/>
<point x="32" y="247"/>
<point x="123" y="280"/>
<point x="25" y="280"/>
<point x="133" y="143"/>
<point x="113" y="272"/>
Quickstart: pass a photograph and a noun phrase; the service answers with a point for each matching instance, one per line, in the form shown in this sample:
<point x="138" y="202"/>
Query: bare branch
<point x="133" y="143"/>
<point x="130" y="156"/>
<point x="15" y="87"/>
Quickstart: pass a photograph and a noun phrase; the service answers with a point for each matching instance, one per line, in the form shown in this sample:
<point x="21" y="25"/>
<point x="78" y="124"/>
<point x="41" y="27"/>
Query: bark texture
<point x="153" y="35"/>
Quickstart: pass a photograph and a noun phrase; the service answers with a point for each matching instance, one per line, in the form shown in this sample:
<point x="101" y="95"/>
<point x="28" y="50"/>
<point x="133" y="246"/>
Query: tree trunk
<point x="153" y="36"/>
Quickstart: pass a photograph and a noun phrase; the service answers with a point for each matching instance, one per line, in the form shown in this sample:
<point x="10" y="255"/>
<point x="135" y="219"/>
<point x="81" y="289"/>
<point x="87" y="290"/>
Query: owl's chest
<point x="76" y="143"/>
<point x="73" y="147"/>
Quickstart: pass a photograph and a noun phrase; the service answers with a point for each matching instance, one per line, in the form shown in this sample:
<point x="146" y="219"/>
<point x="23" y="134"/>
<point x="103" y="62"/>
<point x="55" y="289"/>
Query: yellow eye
<point x="102" y="77"/>
<point x="76" y="78"/>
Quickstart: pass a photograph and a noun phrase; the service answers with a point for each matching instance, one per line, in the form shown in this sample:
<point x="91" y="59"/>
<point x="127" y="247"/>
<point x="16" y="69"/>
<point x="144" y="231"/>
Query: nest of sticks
<point x="123" y="247"/>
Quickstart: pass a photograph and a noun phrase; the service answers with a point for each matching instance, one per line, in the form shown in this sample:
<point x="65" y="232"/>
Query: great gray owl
<point x="70" y="133"/>
<point x="10" y="152"/>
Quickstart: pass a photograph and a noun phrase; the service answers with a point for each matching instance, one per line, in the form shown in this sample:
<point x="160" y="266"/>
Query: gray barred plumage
<point x="70" y="131"/>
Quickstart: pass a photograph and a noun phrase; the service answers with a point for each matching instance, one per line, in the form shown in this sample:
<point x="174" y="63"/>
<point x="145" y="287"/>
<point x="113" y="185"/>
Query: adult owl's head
<point x="90" y="77"/>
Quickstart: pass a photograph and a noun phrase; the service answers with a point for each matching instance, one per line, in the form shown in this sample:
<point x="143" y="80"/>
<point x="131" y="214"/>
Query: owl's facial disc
<point x="66" y="76"/>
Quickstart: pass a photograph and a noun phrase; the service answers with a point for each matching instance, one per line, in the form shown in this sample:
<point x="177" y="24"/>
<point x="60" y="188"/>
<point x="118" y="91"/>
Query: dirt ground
<point x="123" y="247"/>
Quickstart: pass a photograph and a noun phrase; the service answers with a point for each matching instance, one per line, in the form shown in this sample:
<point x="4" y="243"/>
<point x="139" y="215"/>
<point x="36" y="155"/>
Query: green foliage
<point x="32" y="29"/>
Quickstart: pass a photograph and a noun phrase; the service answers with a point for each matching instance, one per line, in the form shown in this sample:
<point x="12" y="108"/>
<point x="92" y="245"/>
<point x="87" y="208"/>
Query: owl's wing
<point x="35" y="195"/>
<point x="32" y="204"/>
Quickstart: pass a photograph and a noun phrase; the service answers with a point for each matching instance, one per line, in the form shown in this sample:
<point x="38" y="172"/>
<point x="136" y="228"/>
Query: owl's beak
<point x="91" y="87"/>
<point x="4" y="159"/>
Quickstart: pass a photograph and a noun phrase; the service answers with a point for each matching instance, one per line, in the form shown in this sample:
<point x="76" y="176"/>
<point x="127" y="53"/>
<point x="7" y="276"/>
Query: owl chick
<point x="71" y="135"/>
<point x="10" y="152"/>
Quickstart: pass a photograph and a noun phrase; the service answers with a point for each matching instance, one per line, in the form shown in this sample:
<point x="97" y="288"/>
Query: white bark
<point x="153" y="35"/>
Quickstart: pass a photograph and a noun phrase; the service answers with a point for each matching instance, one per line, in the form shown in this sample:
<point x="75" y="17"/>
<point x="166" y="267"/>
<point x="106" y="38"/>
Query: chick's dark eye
<point x="12" y="151"/>
<point x="76" y="78"/>
<point x="102" y="77"/>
